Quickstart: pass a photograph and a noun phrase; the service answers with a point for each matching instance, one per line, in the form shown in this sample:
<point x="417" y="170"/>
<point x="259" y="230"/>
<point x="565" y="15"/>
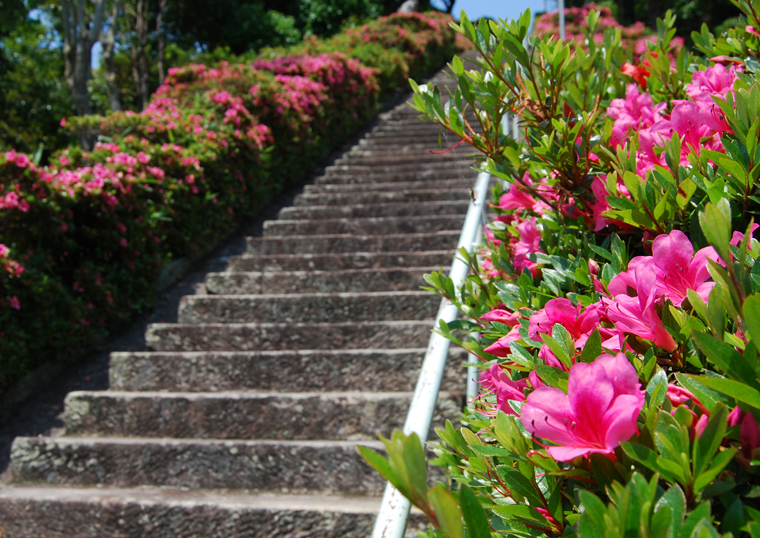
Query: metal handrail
<point x="394" y="511"/>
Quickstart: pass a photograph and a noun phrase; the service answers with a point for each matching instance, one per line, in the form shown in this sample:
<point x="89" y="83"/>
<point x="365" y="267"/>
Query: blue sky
<point x="499" y="9"/>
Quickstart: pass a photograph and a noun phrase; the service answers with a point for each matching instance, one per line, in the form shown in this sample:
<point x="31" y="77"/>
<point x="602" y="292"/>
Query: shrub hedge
<point x="83" y="240"/>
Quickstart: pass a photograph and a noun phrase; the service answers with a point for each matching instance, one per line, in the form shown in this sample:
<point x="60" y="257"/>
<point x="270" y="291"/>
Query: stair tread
<point x="184" y="497"/>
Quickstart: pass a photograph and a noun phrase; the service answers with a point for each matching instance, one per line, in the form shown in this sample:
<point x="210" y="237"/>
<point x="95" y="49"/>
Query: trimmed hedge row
<point x="83" y="241"/>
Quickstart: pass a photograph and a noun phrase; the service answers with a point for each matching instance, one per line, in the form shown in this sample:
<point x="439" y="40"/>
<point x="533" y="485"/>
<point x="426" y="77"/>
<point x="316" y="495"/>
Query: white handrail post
<point x="561" y="9"/>
<point x="394" y="511"/>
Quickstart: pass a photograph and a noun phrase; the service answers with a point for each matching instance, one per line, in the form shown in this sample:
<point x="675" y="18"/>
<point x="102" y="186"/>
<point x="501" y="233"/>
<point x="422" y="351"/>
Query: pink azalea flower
<point x="634" y="112"/>
<point x="679" y="269"/>
<point x="529" y="243"/>
<point x="4" y="251"/>
<point x="15" y="304"/>
<point x="516" y="198"/>
<point x="679" y="396"/>
<point x="738" y="237"/>
<point x="637" y="315"/>
<point x="496" y="380"/>
<point x="579" y="323"/>
<point x="22" y="161"/>
<point x="502" y="316"/>
<point x="598" y="412"/>
<point x="501" y="348"/>
<point x="715" y="80"/>
<point x="749" y="434"/>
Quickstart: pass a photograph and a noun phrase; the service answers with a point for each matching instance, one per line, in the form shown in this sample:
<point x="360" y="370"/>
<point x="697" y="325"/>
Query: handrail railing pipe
<point x="394" y="510"/>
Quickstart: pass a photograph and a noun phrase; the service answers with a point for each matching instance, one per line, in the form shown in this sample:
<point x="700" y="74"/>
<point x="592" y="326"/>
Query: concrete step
<point x="246" y="414"/>
<point x="364" y="226"/>
<point x="276" y="466"/>
<point x="428" y="195"/>
<point x="107" y="512"/>
<point x="309" y="370"/>
<point x="419" y="158"/>
<point x="287" y="336"/>
<point x="340" y="188"/>
<point x="463" y="166"/>
<point x="339" y="262"/>
<point x="380" y="210"/>
<point x="431" y="142"/>
<point x="323" y="244"/>
<point x="366" y="148"/>
<point x="308" y="307"/>
<point x="346" y="281"/>
<point x="356" y="176"/>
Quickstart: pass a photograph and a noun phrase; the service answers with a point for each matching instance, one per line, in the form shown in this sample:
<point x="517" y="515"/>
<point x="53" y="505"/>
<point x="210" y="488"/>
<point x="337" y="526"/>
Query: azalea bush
<point x="399" y="46"/>
<point x="84" y="240"/>
<point x="614" y="308"/>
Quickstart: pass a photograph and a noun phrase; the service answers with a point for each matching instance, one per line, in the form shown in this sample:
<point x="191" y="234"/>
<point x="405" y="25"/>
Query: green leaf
<point x="381" y="465"/>
<point x="414" y="457"/>
<point x="699" y="514"/>
<point x="717" y="465"/>
<point x="648" y="458"/>
<point x="657" y="389"/>
<point x="723" y="355"/>
<point x="751" y="311"/>
<point x="474" y="515"/>
<point x="709" y="442"/>
<point x="736" y="389"/>
<point x="447" y="511"/>
<point x="593" y="347"/>
<point x="709" y="397"/>
<point x="675" y="500"/>
<point x="715" y="222"/>
<point x="552" y="376"/>
<point x="594" y="510"/>
<point x="518" y="483"/>
<point x="523" y="513"/>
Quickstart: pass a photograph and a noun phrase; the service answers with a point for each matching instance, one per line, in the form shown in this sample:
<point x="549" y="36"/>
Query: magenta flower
<point x="738" y="237"/>
<point x="496" y="380"/>
<point x="679" y="269"/>
<point x="509" y="319"/>
<point x="637" y="315"/>
<point x="501" y="348"/>
<point x="598" y="412"/>
<point x="716" y="80"/>
<point x="529" y="243"/>
<point x="516" y="198"/>
<point x="635" y="112"/>
<point x="676" y="266"/>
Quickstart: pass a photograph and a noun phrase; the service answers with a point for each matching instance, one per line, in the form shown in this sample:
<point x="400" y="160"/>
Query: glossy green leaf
<point x="447" y="511"/>
<point x="474" y="515"/>
<point x="735" y="389"/>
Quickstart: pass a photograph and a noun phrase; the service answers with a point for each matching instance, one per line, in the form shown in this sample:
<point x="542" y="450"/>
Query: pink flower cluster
<point x="699" y="122"/>
<point x="579" y="421"/>
<point x="635" y="37"/>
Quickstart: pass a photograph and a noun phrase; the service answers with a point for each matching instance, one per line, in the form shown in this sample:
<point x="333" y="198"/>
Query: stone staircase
<point x="242" y="419"/>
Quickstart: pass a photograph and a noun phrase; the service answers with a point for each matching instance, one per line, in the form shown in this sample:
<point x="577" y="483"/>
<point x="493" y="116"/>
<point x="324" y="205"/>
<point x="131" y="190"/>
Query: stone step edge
<point x="382" y="205"/>
<point x="250" y="394"/>
<point x="346" y="254"/>
<point x="338" y="272"/>
<point x="88" y="441"/>
<point x="182" y="497"/>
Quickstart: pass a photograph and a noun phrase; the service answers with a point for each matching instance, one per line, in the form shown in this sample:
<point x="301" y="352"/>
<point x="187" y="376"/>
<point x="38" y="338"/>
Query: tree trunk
<point x="138" y="49"/>
<point x="109" y="44"/>
<point x="79" y="35"/>
<point x="160" y="38"/>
